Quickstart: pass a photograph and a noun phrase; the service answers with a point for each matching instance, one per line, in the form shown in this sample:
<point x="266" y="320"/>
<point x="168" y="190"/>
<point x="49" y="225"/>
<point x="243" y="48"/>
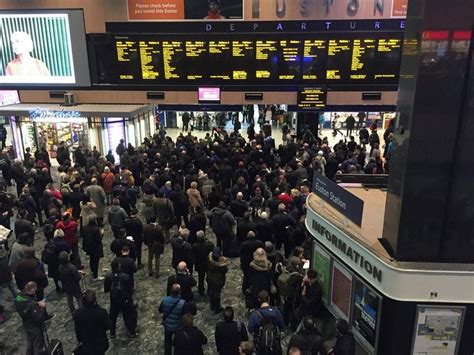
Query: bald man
<point x="184" y="279"/>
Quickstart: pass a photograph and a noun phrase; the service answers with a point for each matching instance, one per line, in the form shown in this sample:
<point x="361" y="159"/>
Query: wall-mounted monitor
<point x="209" y="95"/>
<point x="43" y="48"/>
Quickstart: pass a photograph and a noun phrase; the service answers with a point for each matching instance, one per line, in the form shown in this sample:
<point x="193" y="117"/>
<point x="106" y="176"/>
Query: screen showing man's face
<point x="21" y="42"/>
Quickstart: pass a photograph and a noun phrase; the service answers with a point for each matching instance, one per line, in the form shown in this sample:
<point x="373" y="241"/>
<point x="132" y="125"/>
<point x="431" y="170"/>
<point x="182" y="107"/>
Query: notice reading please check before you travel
<point x="164" y="7"/>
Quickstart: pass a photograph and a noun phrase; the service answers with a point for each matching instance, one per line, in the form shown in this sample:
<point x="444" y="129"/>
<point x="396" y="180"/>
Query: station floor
<point x="148" y="294"/>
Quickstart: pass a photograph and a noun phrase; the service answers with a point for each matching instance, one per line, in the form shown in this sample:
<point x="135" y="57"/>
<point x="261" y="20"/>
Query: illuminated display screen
<point x="312" y="98"/>
<point x="255" y="59"/>
<point x="209" y="94"/>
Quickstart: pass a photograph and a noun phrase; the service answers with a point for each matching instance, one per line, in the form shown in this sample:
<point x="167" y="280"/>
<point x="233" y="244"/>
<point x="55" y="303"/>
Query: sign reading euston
<point x="339" y="198"/>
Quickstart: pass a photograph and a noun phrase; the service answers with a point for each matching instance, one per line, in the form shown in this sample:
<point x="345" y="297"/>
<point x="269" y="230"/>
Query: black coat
<point x="201" y="249"/>
<point x="92" y="241"/>
<point x="228" y="337"/>
<point x="23" y="225"/>
<point x="187" y="282"/>
<point x="345" y="345"/>
<point x="91" y="325"/>
<point x="265" y="231"/>
<point x="182" y="251"/>
<point x="189" y="340"/>
<point x="154" y="238"/>
<point x="243" y="227"/>
<point x="134" y="227"/>
<point x="70" y="278"/>
<point x="310" y="342"/>
<point x="127" y="265"/>
<point x="246" y="252"/>
<point x="261" y="278"/>
<point x="197" y="222"/>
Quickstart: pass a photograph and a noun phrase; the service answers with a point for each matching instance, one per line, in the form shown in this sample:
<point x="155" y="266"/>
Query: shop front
<point x="100" y="126"/>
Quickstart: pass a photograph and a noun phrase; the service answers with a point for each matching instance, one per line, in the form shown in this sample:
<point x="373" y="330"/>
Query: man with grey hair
<point x="201" y="250"/>
<point x="97" y="195"/>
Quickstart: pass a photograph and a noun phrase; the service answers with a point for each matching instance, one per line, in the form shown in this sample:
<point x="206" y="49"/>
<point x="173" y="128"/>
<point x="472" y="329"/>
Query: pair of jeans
<point x="13" y="289"/>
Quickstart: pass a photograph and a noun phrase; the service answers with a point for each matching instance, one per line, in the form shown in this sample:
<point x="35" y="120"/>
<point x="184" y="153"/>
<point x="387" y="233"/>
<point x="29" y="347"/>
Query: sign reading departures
<point x="352" y="58"/>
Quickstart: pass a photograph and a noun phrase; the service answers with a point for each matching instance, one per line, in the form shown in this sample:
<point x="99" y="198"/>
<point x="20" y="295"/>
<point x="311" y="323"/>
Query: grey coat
<point x="97" y="195"/>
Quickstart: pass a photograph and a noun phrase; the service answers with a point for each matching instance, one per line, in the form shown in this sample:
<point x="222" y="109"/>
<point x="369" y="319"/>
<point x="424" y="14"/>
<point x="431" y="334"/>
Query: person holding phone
<point x="24" y="64"/>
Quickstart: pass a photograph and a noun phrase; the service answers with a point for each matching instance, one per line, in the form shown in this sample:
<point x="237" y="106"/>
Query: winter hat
<point x="216" y="254"/>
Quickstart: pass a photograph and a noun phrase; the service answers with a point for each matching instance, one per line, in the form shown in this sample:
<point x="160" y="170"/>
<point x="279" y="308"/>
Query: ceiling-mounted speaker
<point x="57" y="94"/>
<point x="155" y="95"/>
<point x="253" y="96"/>
<point x="371" y="96"/>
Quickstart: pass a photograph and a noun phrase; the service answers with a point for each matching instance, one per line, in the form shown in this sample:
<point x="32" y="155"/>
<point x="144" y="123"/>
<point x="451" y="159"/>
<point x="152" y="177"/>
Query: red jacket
<point x="70" y="231"/>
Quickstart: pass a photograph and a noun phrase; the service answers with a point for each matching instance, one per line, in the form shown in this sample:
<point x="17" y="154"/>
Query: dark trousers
<point x="185" y="219"/>
<point x="349" y="132"/>
<point x="128" y="313"/>
<point x="94" y="265"/>
<point x="75" y="257"/>
<point x="215" y="298"/>
<point x="224" y="242"/>
<point x="201" y="277"/>
<point x="138" y="245"/>
<point x="245" y="280"/>
<point x="70" y="300"/>
<point x="117" y="231"/>
<point x="168" y="342"/>
<point x="35" y="344"/>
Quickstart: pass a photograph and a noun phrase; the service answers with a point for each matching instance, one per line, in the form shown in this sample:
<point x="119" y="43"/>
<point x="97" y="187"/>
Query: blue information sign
<point x="342" y="200"/>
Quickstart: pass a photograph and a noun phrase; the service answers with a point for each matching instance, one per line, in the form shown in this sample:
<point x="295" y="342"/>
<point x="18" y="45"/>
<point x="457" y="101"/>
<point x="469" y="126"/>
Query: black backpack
<point x="268" y="336"/>
<point x="117" y="292"/>
<point x="49" y="253"/>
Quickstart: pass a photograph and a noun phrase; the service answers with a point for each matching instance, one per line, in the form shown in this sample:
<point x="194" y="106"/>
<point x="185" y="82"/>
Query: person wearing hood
<point x="216" y="271"/>
<point x="70" y="229"/>
<point x="182" y="250"/>
<point x="33" y="314"/>
<point x="116" y="217"/>
<point x="201" y="250"/>
<point x="261" y="278"/>
<point x="70" y="278"/>
<point x="222" y="223"/>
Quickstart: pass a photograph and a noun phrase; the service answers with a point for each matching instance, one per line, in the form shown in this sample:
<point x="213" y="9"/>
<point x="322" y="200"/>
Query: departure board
<point x="253" y="59"/>
<point x="312" y="98"/>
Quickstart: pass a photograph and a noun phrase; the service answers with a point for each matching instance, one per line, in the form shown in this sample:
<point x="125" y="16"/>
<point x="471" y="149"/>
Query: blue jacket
<point x="267" y="312"/>
<point x="172" y="316"/>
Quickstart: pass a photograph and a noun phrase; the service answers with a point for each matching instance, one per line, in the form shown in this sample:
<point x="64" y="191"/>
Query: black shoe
<point x="49" y="317"/>
<point x="150" y="274"/>
<point x="134" y="335"/>
<point x="112" y="336"/>
<point x="218" y="310"/>
<point x="59" y="290"/>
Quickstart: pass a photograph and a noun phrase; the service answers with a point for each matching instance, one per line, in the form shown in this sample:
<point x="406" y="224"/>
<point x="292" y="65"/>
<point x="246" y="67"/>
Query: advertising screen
<point x="43" y="48"/>
<point x="341" y="290"/>
<point x="322" y="264"/>
<point x="365" y="312"/>
<point x="248" y="59"/>
<point x="209" y="94"/>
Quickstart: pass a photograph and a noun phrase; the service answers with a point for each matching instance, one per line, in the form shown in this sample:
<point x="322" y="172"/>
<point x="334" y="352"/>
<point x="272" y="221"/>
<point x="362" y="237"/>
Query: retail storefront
<point x="35" y="125"/>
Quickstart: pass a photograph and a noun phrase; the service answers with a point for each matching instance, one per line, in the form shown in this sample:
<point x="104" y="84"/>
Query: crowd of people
<point x="207" y="200"/>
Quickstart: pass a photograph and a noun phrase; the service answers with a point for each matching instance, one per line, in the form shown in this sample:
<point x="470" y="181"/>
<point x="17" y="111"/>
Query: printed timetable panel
<point x="254" y="59"/>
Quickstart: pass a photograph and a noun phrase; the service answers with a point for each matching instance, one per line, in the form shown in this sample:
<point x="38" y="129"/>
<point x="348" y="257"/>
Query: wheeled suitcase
<point x="53" y="346"/>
